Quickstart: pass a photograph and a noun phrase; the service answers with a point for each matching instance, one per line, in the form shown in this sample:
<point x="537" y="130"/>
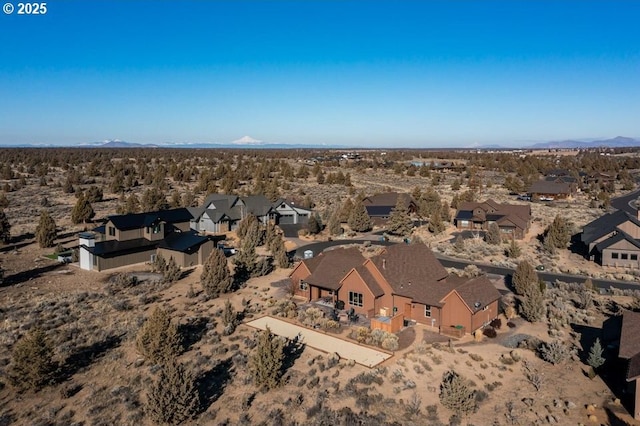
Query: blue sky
<point x="360" y="73"/>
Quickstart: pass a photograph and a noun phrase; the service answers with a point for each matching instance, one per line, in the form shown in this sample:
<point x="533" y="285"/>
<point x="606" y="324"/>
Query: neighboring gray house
<point x="613" y="240"/>
<point x="289" y="213"/>
<point x="221" y="213"/>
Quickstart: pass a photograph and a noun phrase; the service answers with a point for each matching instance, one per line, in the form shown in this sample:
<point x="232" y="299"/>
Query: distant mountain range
<point x="617" y="142"/>
<point x="245" y="142"/>
<point x="248" y="142"/>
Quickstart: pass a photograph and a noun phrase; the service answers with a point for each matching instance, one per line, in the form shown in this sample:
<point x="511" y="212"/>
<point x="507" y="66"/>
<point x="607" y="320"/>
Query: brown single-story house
<point x="552" y="190"/>
<point x="404" y="280"/>
<point x="379" y="206"/>
<point x="512" y="219"/>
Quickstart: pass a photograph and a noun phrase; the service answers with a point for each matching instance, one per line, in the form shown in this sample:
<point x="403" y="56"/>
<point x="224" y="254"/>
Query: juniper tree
<point x="173" y="398"/>
<point x="456" y="394"/>
<point x="313" y="226"/>
<point x="172" y="271"/>
<point x="5" y="227"/>
<point x="436" y="225"/>
<point x="245" y="225"/>
<point x="159" y="265"/>
<point x="216" y="276"/>
<point x="524" y="277"/>
<point x="245" y="261"/>
<point x="159" y="339"/>
<point x="46" y="230"/>
<point x="530" y="290"/>
<point x="82" y="211"/>
<point x="492" y="236"/>
<point x="153" y="199"/>
<point x="333" y="224"/>
<point x="513" y="251"/>
<point x="345" y="211"/>
<point x="359" y="219"/>
<point x="400" y="222"/>
<point x="558" y="234"/>
<point x="267" y="360"/>
<point x="33" y="366"/>
<point x="532" y="306"/>
<point x="229" y="318"/>
<point x="279" y="253"/>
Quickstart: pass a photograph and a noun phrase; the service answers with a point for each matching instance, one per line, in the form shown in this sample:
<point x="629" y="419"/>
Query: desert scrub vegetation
<point x="380" y="338"/>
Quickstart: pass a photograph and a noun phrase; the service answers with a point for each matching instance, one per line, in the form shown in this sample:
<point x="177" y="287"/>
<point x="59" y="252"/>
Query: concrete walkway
<point x="326" y="343"/>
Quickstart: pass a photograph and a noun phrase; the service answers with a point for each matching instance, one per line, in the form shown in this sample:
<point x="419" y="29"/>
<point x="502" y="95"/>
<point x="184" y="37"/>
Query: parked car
<point x="540" y="268"/>
<point x="546" y="198"/>
<point x="524" y="197"/>
<point x="228" y="251"/>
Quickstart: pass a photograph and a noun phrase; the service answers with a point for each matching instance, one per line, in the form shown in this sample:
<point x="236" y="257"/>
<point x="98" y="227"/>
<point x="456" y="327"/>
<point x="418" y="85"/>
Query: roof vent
<point x="477" y="304"/>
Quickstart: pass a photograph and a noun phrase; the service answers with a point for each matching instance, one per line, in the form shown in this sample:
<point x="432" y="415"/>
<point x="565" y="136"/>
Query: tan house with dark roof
<point x="404" y="280"/>
<point x="512" y="219"/>
<point x="379" y="206"/>
<point x="630" y="353"/>
<point x="552" y="190"/>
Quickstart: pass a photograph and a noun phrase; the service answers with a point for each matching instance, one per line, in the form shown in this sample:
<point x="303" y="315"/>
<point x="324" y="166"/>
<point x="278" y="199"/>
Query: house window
<point x="614" y="255"/>
<point x="427" y="311"/>
<point x="112" y="231"/>
<point x="633" y="256"/>
<point x="303" y="286"/>
<point x="355" y="299"/>
<point x="624" y="256"/>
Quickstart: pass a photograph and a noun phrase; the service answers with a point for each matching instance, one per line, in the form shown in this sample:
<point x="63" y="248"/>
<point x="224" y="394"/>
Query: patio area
<point x="347" y="350"/>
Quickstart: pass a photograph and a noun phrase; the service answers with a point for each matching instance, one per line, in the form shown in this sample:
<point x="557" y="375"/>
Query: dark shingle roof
<point x="114" y="248"/>
<point x="370" y="281"/>
<point x="413" y="271"/>
<point x="617" y="237"/>
<point x="140" y="220"/>
<point x="605" y="224"/>
<point x="257" y="205"/>
<point x="464" y="214"/>
<point x="546" y="187"/>
<point x="630" y="343"/>
<point x="379" y="211"/>
<point x="230" y="205"/>
<point x="389" y="199"/>
<point x="518" y="214"/>
<point x="175" y="215"/>
<point x="185" y="242"/>
<point x="477" y="293"/>
<point x="332" y="266"/>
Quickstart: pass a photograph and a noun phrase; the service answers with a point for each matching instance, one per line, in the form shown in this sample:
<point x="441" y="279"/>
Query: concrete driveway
<point x="326" y="343"/>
